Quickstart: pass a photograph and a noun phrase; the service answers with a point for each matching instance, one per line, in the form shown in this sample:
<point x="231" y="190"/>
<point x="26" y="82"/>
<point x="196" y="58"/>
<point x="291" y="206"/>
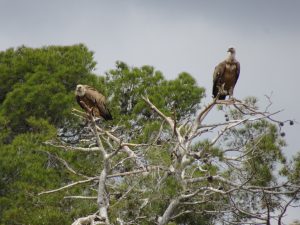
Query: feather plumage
<point x="225" y="77"/>
<point x="94" y="100"/>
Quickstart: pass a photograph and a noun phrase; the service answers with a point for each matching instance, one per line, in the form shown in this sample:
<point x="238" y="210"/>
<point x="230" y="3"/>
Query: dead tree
<point x="228" y="192"/>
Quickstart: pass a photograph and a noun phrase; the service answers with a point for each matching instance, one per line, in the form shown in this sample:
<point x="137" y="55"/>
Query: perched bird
<point x="94" y="100"/>
<point x="225" y="76"/>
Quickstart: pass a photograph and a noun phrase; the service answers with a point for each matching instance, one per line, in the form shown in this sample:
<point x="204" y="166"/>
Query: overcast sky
<point x="175" y="36"/>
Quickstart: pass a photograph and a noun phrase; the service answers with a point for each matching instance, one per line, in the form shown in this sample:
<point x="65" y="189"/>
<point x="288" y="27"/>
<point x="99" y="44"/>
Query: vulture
<point x="94" y="100"/>
<point x="225" y="76"/>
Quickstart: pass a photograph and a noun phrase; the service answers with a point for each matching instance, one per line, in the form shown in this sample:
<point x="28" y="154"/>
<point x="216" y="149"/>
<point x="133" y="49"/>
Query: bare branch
<point x="88" y="220"/>
<point x="148" y="169"/>
<point x="64" y="162"/>
<point x="252" y="215"/>
<point x="165" y="218"/>
<point x="72" y="148"/>
<point x="81" y="197"/>
<point x="286" y="206"/>
<point x="124" y="195"/>
<point x="125" y="148"/>
<point x="165" y="118"/>
<point x="69" y="185"/>
<point x="201" y="116"/>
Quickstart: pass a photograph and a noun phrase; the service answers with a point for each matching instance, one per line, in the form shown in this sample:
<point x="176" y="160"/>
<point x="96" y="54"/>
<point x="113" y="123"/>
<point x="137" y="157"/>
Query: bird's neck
<point x="80" y="93"/>
<point x="230" y="57"/>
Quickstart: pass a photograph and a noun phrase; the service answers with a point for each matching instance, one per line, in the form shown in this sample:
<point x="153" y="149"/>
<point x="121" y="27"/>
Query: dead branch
<point x="81" y="197"/>
<point x="201" y="188"/>
<point x="286" y="206"/>
<point x="88" y="220"/>
<point x="165" y="118"/>
<point x="68" y="186"/>
<point x="64" y="162"/>
<point x="72" y="148"/>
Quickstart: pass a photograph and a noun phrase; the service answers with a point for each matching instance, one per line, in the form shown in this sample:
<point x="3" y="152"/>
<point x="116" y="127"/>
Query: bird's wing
<point x="94" y="96"/>
<point x="219" y="70"/>
<point x="238" y="69"/>
<point x="87" y="87"/>
<point x="98" y="100"/>
<point x="78" y="99"/>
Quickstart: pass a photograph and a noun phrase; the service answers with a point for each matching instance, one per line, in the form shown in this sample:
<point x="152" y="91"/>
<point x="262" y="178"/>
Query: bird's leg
<point x="231" y="93"/>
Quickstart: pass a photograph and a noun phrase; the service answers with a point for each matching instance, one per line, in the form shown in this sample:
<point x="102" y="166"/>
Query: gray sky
<point x="176" y="36"/>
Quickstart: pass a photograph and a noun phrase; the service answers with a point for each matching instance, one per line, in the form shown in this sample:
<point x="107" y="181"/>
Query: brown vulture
<point x="225" y="76"/>
<point x="94" y="100"/>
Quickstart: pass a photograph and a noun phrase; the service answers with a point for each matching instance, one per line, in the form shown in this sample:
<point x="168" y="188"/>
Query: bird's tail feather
<point x="107" y="115"/>
<point x="222" y="97"/>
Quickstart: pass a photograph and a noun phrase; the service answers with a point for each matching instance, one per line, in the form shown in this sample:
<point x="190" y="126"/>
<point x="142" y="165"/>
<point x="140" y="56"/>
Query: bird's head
<point x="231" y="50"/>
<point x="80" y="90"/>
<point x="231" y="53"/>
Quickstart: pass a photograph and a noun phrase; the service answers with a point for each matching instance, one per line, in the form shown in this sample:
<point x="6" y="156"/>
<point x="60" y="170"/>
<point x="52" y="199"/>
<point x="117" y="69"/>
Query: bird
<point x="225" y="76"/>
<point x="94" y="100"/>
